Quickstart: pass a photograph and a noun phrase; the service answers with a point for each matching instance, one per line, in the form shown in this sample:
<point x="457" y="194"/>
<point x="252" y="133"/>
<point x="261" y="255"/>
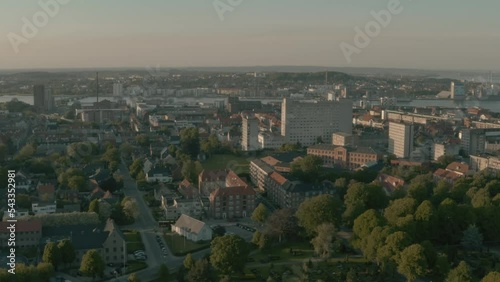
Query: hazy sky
<point x="444" y="34"/>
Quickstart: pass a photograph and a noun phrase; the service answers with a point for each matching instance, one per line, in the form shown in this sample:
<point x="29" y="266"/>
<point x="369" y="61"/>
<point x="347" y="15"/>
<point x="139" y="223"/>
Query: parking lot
<point x="242" y="230"/>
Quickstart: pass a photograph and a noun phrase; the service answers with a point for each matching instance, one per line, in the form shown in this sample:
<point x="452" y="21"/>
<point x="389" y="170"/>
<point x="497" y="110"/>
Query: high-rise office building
<point x="401" y="139"/>
<point x="39" y="98"/>
<point x="250" y="133"/>
<point x="117" y="89"/>
<point x="43" y="99"/>
<point x="305" y="121"/>
<point x="457" y="91"/>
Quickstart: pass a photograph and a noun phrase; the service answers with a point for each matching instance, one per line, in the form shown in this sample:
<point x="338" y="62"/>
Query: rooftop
<point x="193" y="225"/>
<point x="22" y="226"/>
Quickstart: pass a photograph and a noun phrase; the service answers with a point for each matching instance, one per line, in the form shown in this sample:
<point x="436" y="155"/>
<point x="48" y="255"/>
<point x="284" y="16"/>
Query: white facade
<point x="250" y="133"/>
<point x="305" y="121"/>
<point x="445" y="150"/>
<point x="400" y="139"/>
<point x="160" y="177"/>
<point x="270" y="140"/>
<point x="193" y="229"/>
<point x="43" y="208"/>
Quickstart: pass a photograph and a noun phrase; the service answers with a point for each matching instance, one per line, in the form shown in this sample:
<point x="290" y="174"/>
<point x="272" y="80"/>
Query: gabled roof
<point x="213" y="175"/>
<point x="187" y="189"/>
<point x="159" y="170"/>
<point x="83" y="237"/>
<point x="391" y="183"/>
<point x="461" y="168"/>
<point x="447" y="174"/>
<point x="278" y="178"/>
<point x="190" y="224"/>
<point x="112" y="227"/>
<point x="232" y="191"/>
<point x="46" y="189"/>
<point x="232" y="180"/>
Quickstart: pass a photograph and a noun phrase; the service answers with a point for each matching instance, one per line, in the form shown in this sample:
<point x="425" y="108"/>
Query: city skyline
<point x="449" y="35"/>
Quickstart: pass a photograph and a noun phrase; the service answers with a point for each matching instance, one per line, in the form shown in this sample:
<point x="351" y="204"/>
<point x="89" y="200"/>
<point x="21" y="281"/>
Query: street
<point x="148" y="228"/>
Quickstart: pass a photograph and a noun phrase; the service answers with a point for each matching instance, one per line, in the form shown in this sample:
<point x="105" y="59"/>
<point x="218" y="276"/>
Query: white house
<point x="43" y="208"/>
<point x="159" y="174"/>
<point x="147" y="166"/>
<point x="191" y="207"/>
<point x="193" y="229"/>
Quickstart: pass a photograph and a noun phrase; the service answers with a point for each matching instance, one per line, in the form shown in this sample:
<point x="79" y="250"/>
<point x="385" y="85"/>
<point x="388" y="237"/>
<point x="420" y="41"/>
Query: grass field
<point x="134" y="241"/>
<point x="302" y="249"/>
<point x="216" y="162"/>
<point x="134" y="266"/>
<point x="180" y="246"/>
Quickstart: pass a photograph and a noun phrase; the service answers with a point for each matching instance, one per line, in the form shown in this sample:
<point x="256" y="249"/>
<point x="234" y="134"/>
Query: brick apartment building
<point x="28" y="233"/>
<point x="345" y="157"/>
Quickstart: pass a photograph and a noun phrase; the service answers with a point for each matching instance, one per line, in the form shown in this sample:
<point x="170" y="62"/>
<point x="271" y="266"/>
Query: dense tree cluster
<point x="43" y="272"/>
<point x="410" y="233"/>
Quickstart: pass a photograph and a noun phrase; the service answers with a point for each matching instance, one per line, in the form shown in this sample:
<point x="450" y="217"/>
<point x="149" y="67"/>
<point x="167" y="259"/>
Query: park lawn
<point x="283" y="251"/>
<point x="134" y="266"/>
<point x="216" y="162"/>
<point x="180" y="246"/>
<point x="334" y="268"/>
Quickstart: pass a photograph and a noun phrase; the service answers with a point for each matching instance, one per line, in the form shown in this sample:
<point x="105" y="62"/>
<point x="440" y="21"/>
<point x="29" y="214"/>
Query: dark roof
<point x="287" y="157"/>
<point x="101" y="175"/>
<point x="159" y="170"/>
<point x="262" y="165"/>
<point x="83" y="237"/>
<point x="301" y="187"/>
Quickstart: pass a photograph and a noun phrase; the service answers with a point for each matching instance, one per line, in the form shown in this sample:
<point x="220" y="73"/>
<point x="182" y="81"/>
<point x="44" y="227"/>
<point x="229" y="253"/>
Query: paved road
<point x="148" y="228"/>
<point x="145" y="223"/>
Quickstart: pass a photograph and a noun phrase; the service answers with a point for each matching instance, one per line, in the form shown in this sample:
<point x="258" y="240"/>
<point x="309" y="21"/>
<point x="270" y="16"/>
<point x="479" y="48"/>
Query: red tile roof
<point x="446" y="174"/>
<point x="22" y="226"/>
<point x="213" y="175"/>
<point x="233" y="180"/>
<point x="461" y="168"/>
<point x="43" y="189"/>
<point x="278" y="178"/>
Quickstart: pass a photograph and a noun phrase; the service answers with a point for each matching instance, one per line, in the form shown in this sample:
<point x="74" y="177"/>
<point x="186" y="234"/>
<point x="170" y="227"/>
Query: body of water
<point x="493" y="106"/>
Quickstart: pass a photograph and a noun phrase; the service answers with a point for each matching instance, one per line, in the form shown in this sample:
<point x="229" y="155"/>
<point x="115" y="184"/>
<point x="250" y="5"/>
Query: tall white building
<point x="401" y="139"/>
<point x="117" y="89"/>
<point x="305" y="121"/>
<point x="249" y="133"/>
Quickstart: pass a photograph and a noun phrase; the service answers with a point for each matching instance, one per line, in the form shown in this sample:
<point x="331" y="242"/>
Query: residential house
<point x="210" y="180"/>
<point x="159" y="174"/>
<point x="452" y="173"/>
<point x="187" y="206"/>
<point x="46" y="202"/>
<point x="188" y="190"/>
<point x="107" y="239"/>
<point x="28" y="233"/>
<point x="148" y="165"/>
<point x="24" y="182"/>
<point x="193" y="229"/>
<point x="391" y="183"/>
